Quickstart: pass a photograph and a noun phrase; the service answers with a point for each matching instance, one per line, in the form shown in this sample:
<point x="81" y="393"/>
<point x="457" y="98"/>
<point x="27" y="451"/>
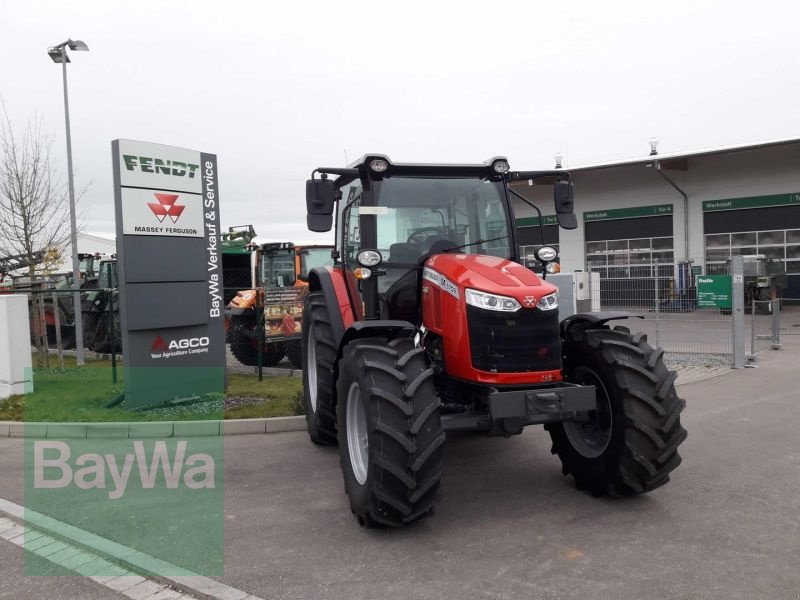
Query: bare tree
<point x="34" y="215"/>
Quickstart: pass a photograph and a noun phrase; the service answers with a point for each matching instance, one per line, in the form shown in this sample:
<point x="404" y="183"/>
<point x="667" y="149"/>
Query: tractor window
<point x="348" y="220"/>
<point x="277" y="268"/>
<point x="105" y="281"/>
<point x="423" y="214"/>
<point x="312" y="258"/>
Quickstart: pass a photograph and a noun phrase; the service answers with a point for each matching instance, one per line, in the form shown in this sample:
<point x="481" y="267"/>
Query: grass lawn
<point x="79" y="393"/>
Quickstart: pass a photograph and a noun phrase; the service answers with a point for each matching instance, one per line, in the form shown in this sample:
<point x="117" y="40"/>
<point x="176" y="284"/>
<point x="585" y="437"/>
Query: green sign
<point x="697" y="270"/>
<point x="714" y="291"/>
<point x="534" y="221"/>
<point x="752" y="202"/>
<point x="628" y="213"/>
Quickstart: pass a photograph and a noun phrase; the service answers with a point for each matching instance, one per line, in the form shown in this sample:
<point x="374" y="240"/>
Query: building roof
<point x="682" y="156"/>
<point x="98" y="235"/>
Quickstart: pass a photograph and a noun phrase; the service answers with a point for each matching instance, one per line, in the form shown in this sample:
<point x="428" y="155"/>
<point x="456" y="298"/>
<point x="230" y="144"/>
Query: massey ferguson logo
<point x="530" y="301"/>
<point x="167" y="206"/>
<point x="178" y="347"/>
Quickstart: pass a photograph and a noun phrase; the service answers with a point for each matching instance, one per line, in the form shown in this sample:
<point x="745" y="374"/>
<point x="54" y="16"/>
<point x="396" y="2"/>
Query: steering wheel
<point x="412" y="238"/>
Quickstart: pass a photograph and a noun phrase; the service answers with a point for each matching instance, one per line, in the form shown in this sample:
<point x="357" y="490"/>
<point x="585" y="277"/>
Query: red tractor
<point x="428" y="323"/>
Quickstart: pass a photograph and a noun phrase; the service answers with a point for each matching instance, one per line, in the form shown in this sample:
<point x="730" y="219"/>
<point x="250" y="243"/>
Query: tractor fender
<point x="372" y="328"/>
<point x="332" y="284"/>
<point x="594" y="320"/>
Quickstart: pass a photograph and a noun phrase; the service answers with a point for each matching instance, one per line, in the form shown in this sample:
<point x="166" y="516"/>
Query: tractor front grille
<point x="524" y="341"/>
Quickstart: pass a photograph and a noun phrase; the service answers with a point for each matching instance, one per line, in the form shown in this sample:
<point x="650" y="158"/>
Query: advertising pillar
<point x="170" y="272"/>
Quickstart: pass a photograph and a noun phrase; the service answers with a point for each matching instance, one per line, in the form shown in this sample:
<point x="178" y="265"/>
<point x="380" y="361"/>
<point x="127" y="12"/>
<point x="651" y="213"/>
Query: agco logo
<point x="167" y="206"/>
<point x="530" y="301"/>
<point x="160" y="345"/>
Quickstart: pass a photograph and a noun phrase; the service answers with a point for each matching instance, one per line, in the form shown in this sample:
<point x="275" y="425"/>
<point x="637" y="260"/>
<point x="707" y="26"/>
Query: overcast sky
<point x="276" y="89"/>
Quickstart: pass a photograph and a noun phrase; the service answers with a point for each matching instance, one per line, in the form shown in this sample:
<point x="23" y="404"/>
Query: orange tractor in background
<point x="279" y="284"/>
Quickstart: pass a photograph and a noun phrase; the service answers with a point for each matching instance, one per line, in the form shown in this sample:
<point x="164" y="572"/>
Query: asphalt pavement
<point x="510" y="526"/>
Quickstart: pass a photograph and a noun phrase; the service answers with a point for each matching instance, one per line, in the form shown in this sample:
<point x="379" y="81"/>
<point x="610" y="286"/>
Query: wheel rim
<point x="311" y="367"/>
<point x="591" y="439"/>
<point x="357" y="442"/>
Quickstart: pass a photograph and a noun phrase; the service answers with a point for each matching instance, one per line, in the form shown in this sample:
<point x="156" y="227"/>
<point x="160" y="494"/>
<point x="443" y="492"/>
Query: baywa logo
<point x="167" y="206"/>
<point x="162" y="348"/>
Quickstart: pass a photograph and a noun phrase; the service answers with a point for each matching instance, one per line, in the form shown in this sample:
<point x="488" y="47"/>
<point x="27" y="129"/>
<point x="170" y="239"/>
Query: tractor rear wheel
<point x="390" y="432"/>
<point x="630" y="445"/>
<point x="318" y="356"/>
<point x="764" y="304"/>
<point x="294" y="352"/>
<point x="244" y="344"/>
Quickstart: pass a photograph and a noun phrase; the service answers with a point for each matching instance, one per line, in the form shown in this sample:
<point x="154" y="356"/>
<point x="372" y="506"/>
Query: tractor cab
<point x="428" y="322"/>
<point x="276" y="265"/>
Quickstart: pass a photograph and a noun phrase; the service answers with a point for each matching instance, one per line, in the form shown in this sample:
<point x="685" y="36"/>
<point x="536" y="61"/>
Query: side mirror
<point x="564" y="199"/>
<point x="320" y="196"/>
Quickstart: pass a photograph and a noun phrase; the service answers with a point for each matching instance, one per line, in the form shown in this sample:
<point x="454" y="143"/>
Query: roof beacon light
<point x="501" y="166"/>
<point x="378" y="165"/>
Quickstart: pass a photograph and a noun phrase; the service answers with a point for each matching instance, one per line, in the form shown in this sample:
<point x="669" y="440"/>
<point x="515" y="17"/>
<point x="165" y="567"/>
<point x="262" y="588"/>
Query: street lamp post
<point x="59" y="55"/>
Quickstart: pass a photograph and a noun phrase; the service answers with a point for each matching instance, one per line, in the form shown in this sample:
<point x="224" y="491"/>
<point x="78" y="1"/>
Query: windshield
<point x="277" y="268"/>
<point x="416" y="215"/>
<point x="313" y="258"/>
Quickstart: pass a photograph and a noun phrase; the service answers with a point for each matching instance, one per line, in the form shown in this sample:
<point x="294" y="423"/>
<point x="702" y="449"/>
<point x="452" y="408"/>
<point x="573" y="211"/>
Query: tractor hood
<point x="490" y="274"/>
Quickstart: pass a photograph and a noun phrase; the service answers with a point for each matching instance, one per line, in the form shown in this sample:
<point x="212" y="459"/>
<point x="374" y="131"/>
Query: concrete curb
<point x="151" y="429"/>
<point x="123" y="556"/>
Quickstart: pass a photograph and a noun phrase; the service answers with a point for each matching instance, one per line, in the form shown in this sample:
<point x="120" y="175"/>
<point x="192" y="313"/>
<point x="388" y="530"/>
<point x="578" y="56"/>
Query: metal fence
<point x="769" y="321"/>
<point x="665" y="296"/>
<point x="52" y="318"/>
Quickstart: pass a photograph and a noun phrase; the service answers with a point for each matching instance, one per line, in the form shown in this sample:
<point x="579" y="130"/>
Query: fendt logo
<point x="167" y="206"/>
<point x="145" y="164"/>
<point x="179" y="347"/>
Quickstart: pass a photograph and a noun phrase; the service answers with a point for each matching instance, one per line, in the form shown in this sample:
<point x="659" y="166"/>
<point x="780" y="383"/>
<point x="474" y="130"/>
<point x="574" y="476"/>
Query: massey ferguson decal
<point x="440" y="281"/>
<point x="166" y="206"/>
<point x="158" y="212"/>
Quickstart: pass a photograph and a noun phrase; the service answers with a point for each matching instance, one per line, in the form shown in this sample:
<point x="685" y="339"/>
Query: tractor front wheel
<point x="319" y="356"/>
<point x="294" y="352"/>
<point x="390" y="432"/>
<point x="244" y="344"/>
<point x="630" y="444"/>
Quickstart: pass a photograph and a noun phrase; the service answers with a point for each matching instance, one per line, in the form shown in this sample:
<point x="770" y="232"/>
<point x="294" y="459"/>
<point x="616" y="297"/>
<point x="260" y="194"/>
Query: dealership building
<point x="642" y="217"/>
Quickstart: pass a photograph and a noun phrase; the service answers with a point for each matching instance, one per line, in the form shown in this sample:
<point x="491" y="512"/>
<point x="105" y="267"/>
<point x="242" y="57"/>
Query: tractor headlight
<point x="369" y="258"/>
<point x="501" y="166"/>
<point x="491" y="301"/>
<point x="379" y="165"/>
<point x="545" y="254"/>
<point x="549" y="302"/>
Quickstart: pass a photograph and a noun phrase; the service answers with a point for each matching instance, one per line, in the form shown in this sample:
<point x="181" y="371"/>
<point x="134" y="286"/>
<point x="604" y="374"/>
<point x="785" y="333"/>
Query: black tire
<point x="319" y="345"/>
<point x="90" y="322"/>
<point x="402" y="471"/>
<point x="636" y="398"/>
<point x="67" y="331"/>
<point x="103" y="342"/>
<point x="294" y="352"/>
<point x="244" y="344"/>
<point x="763" y="306"/>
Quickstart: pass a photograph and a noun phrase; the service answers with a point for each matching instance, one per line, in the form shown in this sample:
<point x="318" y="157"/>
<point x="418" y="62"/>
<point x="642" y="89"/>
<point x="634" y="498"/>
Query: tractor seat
<point x="403" y="252"/>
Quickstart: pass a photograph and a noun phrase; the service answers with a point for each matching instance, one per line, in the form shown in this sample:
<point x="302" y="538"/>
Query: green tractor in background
<point x="764" y="281"/>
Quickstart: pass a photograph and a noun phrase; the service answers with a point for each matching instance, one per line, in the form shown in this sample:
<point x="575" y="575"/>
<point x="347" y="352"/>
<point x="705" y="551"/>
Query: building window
<point x="778" y="244"/>
<point x="635" y="257"/>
